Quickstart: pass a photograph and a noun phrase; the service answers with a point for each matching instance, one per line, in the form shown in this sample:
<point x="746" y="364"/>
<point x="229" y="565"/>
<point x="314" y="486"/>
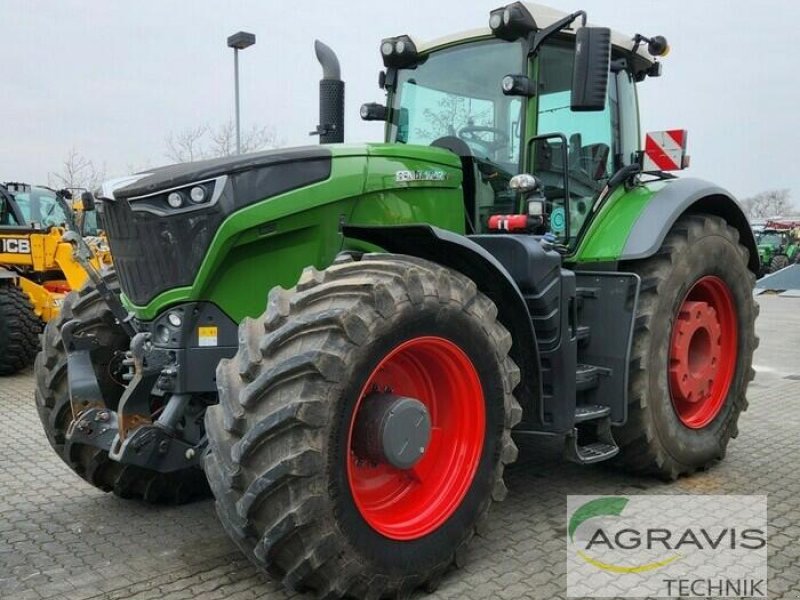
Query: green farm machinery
<point x="343" y="342"/>
<point x="778" y="245"/>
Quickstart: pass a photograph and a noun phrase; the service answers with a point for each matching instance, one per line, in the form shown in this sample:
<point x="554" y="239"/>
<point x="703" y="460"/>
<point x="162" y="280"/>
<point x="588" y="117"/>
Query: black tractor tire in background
<point x="55" y="410"/>
<point x="778" y="262"/>
<point x="19" y="329"/>
<point x="280" y="460"/>
<point x="656" y="440"/>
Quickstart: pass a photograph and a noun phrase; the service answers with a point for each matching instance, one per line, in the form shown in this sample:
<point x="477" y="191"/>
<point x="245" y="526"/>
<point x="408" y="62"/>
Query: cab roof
<point x="544" y="17"/>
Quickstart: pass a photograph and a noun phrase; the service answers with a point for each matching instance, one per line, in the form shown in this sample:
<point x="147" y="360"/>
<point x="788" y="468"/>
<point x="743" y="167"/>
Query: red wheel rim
<point x="703" y="350"/>
<point x="409" y="504"/>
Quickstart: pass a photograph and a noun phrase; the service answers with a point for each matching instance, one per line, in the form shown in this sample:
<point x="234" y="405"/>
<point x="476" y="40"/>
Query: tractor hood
<point x="284" y="163"/>
<point x="176" y="176"/>
<point x="161" y="224"/>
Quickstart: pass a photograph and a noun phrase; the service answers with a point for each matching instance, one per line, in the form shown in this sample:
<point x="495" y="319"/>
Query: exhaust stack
<point x="331" y="97"/>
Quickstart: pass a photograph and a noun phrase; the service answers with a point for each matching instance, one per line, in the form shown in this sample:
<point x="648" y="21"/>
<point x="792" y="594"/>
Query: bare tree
<point x="187" y="145"/>
<point x="453" y="113"/>
<point x="223" y="139"/>
<point x="771" y="203"/>
<point x="205" y="141"/>
<point x="77" y="171"/>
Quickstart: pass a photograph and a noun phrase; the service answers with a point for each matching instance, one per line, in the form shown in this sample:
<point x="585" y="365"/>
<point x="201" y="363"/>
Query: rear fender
<point x="492" y="279"/>
<point x="686" y="196"/>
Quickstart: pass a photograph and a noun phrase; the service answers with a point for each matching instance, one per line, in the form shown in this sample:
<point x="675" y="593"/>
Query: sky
<point x="112" y="79"/>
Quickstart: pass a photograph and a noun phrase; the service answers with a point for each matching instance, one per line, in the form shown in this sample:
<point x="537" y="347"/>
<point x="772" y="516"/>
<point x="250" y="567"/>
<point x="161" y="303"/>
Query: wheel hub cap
<point x="393" y="429"/>
<point x="703" y="352"/>
<point x="696" y="351"/>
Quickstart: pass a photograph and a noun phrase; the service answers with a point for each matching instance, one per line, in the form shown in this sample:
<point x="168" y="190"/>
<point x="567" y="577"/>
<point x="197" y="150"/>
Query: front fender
<point x="492" y="279"/>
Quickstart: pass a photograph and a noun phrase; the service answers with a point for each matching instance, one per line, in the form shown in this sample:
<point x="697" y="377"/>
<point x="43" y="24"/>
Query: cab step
<point x="587" y="377"/>
<point x="591" y="412"/>
<point x="591" y="440"/>
<point x="594" y="453"/>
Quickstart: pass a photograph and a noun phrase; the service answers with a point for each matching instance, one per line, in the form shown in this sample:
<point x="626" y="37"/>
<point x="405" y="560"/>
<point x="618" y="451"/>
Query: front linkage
<point x="128" y="434"/>
<point x="157" y="421"/>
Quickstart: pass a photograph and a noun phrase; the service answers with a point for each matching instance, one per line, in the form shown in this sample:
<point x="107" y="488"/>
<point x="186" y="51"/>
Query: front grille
<point x="153" y="254"/>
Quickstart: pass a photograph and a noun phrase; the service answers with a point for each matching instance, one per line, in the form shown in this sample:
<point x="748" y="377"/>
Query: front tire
<point x="692" y="350"/>
<point x="294" y="487"/>
<point x="19" y="329"/>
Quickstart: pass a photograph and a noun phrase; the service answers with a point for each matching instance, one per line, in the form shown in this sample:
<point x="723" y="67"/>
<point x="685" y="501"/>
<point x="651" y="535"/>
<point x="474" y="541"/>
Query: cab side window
<point x="595" y="144"/>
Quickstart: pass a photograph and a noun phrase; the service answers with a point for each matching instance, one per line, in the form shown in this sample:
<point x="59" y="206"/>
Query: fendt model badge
<point x="15" y="245"/>
<point x="402" y="176"/>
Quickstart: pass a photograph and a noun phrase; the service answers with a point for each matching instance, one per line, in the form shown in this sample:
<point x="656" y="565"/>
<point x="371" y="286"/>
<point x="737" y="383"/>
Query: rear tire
<point x="281" y="458"/>
<point x="19" y="329"/>
<point x="778" y="262"/>
<point x="673" y="428"/>
<point x="55" y="410"/>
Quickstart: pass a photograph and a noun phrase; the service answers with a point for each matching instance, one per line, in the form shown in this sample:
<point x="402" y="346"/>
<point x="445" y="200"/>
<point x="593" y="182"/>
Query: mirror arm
<point x="542" y="35"/>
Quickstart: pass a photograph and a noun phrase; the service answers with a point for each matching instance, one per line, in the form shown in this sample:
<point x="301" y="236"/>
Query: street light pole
<point x="239" y="41"/>
<point x="236" y="93"/>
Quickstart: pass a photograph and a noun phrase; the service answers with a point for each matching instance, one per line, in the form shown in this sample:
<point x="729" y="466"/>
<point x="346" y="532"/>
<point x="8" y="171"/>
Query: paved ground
<point x="60" y="538"/>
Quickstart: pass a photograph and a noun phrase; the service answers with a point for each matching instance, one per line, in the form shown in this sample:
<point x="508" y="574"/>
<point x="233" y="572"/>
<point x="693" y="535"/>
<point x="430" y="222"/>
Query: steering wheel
<point x="469" y="133"/>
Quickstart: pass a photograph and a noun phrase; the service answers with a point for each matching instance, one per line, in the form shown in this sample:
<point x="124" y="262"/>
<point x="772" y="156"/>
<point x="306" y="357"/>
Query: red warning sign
<point x="665" y="151"/>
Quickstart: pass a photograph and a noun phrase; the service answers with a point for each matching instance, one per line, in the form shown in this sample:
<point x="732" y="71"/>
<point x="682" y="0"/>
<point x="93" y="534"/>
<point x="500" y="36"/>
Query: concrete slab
<point x="785" y="279"/>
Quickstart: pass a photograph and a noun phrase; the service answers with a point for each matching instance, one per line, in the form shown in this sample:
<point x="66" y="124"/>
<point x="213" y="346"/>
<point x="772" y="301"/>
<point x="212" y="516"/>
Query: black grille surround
<point x="153" y="254"/>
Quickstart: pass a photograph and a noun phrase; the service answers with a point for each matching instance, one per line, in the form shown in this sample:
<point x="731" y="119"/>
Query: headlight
<point x="175" y="319"/>
<point x="524" y="183"/>
<point x="197" y="194"/>
<point x="399" y="52"/>
<point x="175" y="199"/>
<point x="512" y="22"/>
<point x="190" y="197"/>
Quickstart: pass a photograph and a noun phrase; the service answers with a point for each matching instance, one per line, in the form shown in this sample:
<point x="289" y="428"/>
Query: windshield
<point x="457" y="93"/>
<point x="38" y="205"/>
<point x="770" y="239"/>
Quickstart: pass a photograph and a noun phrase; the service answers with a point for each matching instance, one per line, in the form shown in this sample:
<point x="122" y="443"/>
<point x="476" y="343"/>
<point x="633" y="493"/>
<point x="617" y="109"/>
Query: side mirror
<point x="591" y="70"/>
<point x="87" y="202"/>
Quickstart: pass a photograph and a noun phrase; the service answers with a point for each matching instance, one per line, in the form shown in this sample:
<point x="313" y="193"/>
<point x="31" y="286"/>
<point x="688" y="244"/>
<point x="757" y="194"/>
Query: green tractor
<point x="344" y="341"/>
<point x="777" y="249"/>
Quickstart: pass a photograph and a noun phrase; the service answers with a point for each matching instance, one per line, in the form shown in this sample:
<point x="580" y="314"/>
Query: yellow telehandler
<point x="41" y="237"/>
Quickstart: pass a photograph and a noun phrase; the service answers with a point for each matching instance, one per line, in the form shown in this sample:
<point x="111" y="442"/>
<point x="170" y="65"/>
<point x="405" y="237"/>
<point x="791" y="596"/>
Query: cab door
<point x="575" y="153"/>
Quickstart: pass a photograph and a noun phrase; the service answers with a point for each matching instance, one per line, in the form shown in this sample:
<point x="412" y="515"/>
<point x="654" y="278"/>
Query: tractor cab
<point x="35" y="206"/>
<point x="39" y="207"/>
<point x="533" y="93"/>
